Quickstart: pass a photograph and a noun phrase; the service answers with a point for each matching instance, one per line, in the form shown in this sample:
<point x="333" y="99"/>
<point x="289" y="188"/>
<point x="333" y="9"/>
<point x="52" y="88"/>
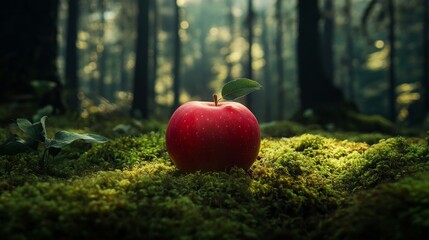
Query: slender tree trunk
<point x="141" y="87"/>
<point x="231" y="22"/>
<point x="328" y="38"/>
<point x="316" y="90"/>
<point x="279" y="58"/>
<point x="392" y="80"/>
<point x="123" y="78"/>
<point x="176" y="67"/>
<point x="267" y="69"/>
<point x="425" y="81"/>
<point x="154" y="71"/>
<point x="250" y="20"/>
<point x="72" y="84"/>
<point x="102" y="54"/>
<point x="349" y="50"/>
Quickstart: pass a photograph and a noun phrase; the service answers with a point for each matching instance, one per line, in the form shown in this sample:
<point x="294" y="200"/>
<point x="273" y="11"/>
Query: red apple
<point x="204" y="136"/>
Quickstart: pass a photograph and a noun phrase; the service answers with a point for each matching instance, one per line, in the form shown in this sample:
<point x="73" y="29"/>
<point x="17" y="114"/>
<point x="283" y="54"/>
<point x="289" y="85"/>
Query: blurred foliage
<point x="214" y="51"/>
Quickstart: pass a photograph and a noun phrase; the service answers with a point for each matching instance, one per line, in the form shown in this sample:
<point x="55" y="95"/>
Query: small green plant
<point x="36" y="137"/>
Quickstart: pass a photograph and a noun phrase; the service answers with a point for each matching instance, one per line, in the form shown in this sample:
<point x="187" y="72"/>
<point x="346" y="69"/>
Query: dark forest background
<point x="315" y="59"/>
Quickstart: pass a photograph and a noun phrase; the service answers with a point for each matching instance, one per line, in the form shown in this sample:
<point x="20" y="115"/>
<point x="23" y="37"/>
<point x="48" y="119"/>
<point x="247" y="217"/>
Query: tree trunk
<point x="72" y="84"/>
<point x="231" y="23"/>
<point x="280" y="63"/>
<point x="349" y="50"/>
<point x="316" y="90"/>
<point x="392" y="81"/>
<point x="328" y="38"/>
<point x="139" y="106"/>
<point x="250" y="20"/>
<point x="154" y="72"/>
<point x="267" y="69"/>
<point x="124" y="84"/>
<point x="176" y="67"/>
<point x="102" y="54"/>
<point x="425" y="80"/>
<point x="29" y="50"/>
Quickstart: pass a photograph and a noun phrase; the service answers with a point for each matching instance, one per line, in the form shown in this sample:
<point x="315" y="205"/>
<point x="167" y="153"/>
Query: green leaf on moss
<point x="63" y="138"/>
<point x="239" y="88"/>
<point x="36" y="131"/>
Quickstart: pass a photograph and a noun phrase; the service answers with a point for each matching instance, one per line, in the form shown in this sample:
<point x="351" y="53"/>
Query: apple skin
<point x="203" y="137"/>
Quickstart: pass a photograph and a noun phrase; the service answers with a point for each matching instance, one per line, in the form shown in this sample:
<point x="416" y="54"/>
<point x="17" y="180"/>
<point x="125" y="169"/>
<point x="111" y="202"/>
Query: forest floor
<point x="306" y="184"/>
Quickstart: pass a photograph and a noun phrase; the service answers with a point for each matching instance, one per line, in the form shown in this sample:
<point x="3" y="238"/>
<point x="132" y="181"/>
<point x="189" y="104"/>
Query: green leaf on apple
<point x="239" y="88"/>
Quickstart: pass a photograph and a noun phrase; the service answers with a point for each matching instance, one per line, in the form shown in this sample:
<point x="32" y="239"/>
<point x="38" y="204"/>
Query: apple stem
<point x="216" y="99"/>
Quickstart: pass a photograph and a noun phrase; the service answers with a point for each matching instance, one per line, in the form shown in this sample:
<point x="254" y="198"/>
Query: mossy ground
<point x="305" y="186"/>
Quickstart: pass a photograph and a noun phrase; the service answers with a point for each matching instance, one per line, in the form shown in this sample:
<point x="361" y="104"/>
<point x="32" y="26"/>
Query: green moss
<point x="118" y="153"/>
<point x="391" y="211"/>
<point x="387" y="161"/>
<point x="311" y="154"/>
<point x="49" y="209"/>
<point x="299" y="178"/>
<point x="152" y="201"/>
<point x="18" y="170"/>
<point x="80" y="158"/>
<point x="128" y="188"/>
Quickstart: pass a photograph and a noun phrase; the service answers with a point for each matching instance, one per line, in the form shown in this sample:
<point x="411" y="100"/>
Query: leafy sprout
<point x="36" y="136"/>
